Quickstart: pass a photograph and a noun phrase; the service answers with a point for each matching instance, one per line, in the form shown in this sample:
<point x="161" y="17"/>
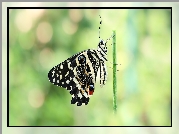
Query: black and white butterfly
<point x="78" y="73"/>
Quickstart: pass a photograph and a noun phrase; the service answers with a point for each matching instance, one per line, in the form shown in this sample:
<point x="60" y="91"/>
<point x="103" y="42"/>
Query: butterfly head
<point x="102" y="46"/>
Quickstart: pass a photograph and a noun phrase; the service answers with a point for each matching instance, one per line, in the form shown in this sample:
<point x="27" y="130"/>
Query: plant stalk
<point x="114" y="74"/>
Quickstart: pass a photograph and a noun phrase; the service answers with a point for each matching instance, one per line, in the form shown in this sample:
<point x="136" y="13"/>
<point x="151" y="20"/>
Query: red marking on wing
<point x="91" y="92"/>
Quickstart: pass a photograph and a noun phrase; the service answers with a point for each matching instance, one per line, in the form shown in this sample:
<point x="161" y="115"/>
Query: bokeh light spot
<point x="69" y="27"/>
<point x="44" y="32"/>
<point x="75" y="15"/>
<point x="45" y="56"/>
<point x="23" y="22"/>
<point x="36" y="98"/>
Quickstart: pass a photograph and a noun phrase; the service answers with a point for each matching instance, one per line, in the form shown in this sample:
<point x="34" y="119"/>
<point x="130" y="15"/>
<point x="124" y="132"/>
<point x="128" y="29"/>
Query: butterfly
<point x="78" y="73"/>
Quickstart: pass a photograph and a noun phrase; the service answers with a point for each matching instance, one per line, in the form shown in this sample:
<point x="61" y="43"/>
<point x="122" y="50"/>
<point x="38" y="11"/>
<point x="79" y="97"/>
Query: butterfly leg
<point x="103" y="74"/>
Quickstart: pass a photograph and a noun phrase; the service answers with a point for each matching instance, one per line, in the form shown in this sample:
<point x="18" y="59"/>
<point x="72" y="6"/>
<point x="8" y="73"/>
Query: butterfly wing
<point x="77" y="77"/>
<point x="62" y="74"/>
<point x="85" y="77"/>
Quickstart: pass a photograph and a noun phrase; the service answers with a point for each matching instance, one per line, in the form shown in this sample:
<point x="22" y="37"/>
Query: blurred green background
<point x="42" y="38"/>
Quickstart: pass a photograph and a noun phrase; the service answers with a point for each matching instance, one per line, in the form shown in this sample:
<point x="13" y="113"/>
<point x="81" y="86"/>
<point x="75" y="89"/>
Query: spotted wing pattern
<point x="62" y="74"/>
<point x="77" y="74"/>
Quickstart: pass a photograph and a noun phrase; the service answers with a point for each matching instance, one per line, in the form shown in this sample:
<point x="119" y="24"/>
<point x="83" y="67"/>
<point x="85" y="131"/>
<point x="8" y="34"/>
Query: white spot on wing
<point x="53" y="73"/>
<point x="67" y="81"/>
<point x="69" y="65"/>
<point x="85" y="94"/>
<point x="79" y="95"/>
<point x="61" y="66"/>
<point x="66" y="74"/>
<point x="60" y="77"/>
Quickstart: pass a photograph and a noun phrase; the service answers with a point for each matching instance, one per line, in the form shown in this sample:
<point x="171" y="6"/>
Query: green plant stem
<point x="114" y="74"/>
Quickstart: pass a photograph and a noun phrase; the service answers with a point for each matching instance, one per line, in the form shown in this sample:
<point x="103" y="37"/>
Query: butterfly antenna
<point x="100" y="27"/>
